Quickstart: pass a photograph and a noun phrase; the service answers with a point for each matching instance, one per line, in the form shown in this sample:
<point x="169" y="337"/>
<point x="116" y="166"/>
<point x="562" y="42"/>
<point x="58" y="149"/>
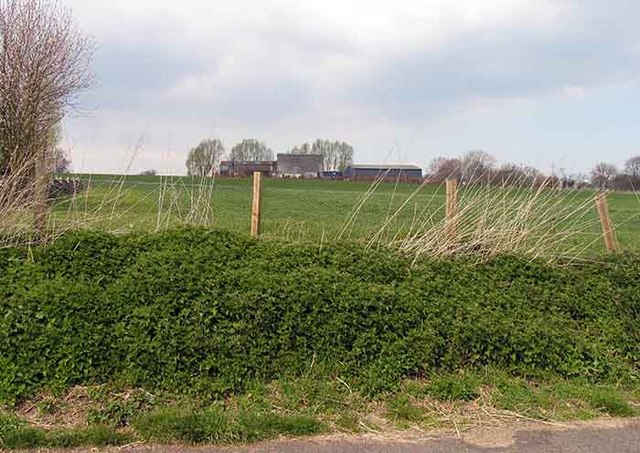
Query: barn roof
<point x="386" y="166"/>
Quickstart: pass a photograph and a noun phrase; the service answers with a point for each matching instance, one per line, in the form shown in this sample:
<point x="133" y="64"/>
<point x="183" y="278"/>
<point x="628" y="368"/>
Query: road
<point x="609" y="436"/>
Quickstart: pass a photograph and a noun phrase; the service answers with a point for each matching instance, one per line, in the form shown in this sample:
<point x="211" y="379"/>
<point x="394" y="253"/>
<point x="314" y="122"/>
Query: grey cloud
<point x="132" y="76"/>
<point x="590" y="49"/>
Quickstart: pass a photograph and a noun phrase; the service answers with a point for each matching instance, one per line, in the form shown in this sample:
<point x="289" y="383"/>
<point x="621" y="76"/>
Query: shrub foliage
<point x="208" y="312"/>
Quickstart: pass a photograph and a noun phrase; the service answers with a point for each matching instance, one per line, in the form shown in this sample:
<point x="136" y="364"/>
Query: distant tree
<point x="251" y="150"/>
<point x="305" y="148"/>
<point x="57" y="160"/>
<point x="603" y="175"/>
<point x="632" y="166"/>
<point x="61" y="163"/>
<point x="442" y="168"/>
<point x="336" y="155"/>
<point x="148" y="173"/>
<point x="345" y="156"/>
<point x="476" y="165"/>
<point x="516" y="175"/>
<point x="630" y="178"/>
<point x="204" y="159"/>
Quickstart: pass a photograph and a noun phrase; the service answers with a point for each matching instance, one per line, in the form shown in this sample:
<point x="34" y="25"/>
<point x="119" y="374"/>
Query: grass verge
<point x="316" y="404"/>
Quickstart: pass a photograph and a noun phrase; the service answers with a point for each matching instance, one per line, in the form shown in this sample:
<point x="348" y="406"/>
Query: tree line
<point x="481" y="167"/>
<point x="608" y="176"/>
<point x="204" y="159"/>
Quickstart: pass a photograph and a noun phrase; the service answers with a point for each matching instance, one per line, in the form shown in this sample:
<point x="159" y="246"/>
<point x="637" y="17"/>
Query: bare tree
<point x="336" y="155"/>
<point x="632" y="167"/>
<point x="61" y="163"/>
<point x="57" y="160"/>
<point x="510" y="174"/>
<point x="442" y="168"/>
<point x="476" y="165"/>
<point x="603" y="174"/>
<point x="251" y="150"/>
<point x="204" y="159"/>
<point x="44" y="65"/>
<point x="305" y="148"/>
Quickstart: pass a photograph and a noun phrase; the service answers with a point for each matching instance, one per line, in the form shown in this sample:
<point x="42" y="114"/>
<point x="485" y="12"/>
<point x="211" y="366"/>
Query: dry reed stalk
<point x="353" y="215"/>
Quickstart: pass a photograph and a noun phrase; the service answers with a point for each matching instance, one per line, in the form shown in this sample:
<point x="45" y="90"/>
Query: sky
<point x="549" y="83"/>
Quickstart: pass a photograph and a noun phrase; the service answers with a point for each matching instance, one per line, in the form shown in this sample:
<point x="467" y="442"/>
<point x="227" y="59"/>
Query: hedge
<point x="209" y="311"/>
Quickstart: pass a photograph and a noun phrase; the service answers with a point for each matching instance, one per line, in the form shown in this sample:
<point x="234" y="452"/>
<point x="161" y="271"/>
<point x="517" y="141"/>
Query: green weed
<point x="22" y="437"/>
<point x="215" y="425"/>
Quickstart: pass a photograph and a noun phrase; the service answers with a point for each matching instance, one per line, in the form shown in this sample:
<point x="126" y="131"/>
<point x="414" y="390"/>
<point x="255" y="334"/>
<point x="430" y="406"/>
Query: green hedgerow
<point x="208" y="312"/>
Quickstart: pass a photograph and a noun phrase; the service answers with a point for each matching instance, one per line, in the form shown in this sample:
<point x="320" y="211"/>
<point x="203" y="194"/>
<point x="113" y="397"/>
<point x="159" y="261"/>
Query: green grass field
<point x="312" y="210"/>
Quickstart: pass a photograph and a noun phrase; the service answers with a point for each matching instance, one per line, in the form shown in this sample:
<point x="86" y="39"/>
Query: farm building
<point x="393" y="172"/>
<point x="246" y="168"/>
<point x="299" y="165"/>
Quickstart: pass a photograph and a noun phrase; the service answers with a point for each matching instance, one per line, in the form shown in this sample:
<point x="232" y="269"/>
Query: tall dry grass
<point x="535" y="219"/>
<point x="21" y="202"/>
<point x="177" y="201"/>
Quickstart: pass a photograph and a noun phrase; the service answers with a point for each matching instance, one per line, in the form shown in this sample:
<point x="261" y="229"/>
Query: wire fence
<point x="315" y="210"/>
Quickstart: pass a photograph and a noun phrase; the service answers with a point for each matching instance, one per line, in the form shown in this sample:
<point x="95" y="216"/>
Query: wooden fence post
<point x="451" y="208"/>
<point x="608" y="231"/>
<point x="255" y="210"/>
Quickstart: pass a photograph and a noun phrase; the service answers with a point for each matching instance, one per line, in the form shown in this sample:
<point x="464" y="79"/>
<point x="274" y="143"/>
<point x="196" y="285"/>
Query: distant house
<point x="247" y="168"/>
<point x="299" y="165"/>
<point x="393" y="172"/>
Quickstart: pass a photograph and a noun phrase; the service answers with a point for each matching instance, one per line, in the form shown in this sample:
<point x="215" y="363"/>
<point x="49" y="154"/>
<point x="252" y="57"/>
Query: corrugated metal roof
<point x="387" y="166"/>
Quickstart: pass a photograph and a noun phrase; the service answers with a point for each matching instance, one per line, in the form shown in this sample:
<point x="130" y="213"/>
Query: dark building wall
<point x="369" y="173"/>
<point x="299" y="164"/>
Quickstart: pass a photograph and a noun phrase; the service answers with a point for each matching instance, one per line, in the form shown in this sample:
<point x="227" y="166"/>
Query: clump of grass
<point x="20" y="436"/>
<point x="454" y="387"/>
<point x="215" y="425"/>
<point x="560" y="400"/>
<point x="401" y="408"/>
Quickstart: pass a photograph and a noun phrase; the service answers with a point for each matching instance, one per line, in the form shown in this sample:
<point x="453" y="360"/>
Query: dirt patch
<point x="67" y="411"/>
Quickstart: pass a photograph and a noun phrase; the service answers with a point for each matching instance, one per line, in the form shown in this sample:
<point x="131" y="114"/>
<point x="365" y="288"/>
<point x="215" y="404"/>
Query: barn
<point x="299" y="165"/>
<point x="391" y="172"/>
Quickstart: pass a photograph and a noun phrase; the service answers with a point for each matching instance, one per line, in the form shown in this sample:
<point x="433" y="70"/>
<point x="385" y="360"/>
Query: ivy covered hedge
<point x="207" y="312"/>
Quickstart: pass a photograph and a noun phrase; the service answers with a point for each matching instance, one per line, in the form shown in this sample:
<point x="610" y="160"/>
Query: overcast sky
<point x="541" y="82"/>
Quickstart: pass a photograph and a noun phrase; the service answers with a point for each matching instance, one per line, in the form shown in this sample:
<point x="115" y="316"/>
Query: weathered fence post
<point x="451" y="209"/>
<point x="255" y="210"/>
<point x="608" y="231"/>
